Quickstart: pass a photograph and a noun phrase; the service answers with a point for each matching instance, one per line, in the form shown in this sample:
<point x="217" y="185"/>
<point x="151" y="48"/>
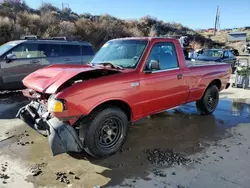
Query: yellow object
<point x="58" y="106"/>
<point x="55" y="106"/>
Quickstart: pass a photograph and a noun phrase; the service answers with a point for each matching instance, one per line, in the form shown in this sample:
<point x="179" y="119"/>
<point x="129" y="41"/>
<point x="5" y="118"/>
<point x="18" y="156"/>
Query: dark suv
<point x="22" y="57"/>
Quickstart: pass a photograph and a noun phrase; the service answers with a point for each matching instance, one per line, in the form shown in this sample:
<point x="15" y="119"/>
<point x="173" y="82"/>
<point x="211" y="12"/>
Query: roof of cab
<point x="50" y="41"/>
<point x="143" y="38"/>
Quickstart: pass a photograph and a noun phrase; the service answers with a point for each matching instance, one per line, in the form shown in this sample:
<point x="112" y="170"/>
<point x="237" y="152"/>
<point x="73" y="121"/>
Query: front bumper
<point x="61" y="136"/>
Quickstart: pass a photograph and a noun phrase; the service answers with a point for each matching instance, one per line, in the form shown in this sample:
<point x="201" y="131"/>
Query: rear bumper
<point x="61" y="136"/>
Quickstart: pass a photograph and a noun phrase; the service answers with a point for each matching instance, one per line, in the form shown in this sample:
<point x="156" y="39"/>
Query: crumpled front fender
<point x="62" y="137"/>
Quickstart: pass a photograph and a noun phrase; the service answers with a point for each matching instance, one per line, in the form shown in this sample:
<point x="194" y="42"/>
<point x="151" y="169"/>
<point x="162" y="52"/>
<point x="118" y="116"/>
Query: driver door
<point x="165" y="88"/>
<point x="26" y="61"/>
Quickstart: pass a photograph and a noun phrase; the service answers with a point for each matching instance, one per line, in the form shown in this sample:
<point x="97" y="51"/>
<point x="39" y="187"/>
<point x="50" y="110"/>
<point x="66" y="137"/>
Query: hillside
<point x="222" y="37"/>
<point x="18" y="19"/>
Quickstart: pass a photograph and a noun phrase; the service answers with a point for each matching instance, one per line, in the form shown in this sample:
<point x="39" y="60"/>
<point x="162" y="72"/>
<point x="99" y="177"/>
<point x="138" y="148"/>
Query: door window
<point x="230" y="54"/>
<point x="226" y="54"/>
<point x="49" y="50"/>
<point x="71" y="50"/>
<point x="26" y="50"/>
<point x="87" y="50"/>
<point x="165" y="53"/>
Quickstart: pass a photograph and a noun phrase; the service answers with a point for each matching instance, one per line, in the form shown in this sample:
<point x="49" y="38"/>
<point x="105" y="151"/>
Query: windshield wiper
<point x="111" y="64"/>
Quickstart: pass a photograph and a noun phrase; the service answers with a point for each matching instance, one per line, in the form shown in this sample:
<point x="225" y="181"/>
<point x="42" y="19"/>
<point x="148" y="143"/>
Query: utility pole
<point x="217" y="20"/>
<point x="65" y="4"/>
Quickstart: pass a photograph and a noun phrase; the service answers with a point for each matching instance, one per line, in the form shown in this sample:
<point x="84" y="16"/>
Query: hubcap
<point x="109" y="133"/>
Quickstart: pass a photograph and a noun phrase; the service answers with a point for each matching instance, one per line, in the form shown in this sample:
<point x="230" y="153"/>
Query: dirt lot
<point x="178" y="148"/>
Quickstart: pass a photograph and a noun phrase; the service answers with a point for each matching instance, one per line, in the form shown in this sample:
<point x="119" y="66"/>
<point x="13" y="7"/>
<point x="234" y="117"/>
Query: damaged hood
<point x="49" y="79"/>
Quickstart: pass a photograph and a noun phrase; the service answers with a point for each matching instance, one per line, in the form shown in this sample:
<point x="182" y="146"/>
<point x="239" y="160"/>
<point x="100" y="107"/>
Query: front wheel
<point x="107" y="131"/>
<point x="209" y="101"/>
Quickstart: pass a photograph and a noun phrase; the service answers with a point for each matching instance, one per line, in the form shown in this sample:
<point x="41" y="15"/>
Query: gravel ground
<point x="178" y="148"/>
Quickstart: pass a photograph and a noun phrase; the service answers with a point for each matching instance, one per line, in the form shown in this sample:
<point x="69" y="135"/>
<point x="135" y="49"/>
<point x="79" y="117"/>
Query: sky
<point x="195" y="14"/>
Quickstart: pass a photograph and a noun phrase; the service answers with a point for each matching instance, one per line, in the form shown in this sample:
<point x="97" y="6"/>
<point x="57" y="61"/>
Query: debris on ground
<point x="4" y="176"/>
<point x="125" y="150"/>
<point x="159" y="173"/>
<point x="70" y="172"/>
<point x="76" y="177"/>
<point x="4" y="167"/>
<point x="173" y="173"/>
<point x="36" y="169"/>
<point x="169" y="157"/>
<point x="221" y="157"/>
<point x="112" y="166"/>
<point x="62" y="177"/>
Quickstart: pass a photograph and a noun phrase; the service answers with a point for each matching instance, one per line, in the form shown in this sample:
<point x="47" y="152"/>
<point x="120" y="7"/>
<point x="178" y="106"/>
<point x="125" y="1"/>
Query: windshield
<point x="123" y="53"/>
<point x="6" y="47"/>
<point x="212" y="53"/>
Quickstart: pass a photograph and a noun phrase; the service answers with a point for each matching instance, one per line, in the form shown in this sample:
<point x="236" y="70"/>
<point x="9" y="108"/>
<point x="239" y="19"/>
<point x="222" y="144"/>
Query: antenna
<point x="217" y="20"/>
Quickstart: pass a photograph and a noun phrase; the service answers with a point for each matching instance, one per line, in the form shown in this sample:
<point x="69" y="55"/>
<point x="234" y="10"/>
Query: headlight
<point x="55" y="105"/>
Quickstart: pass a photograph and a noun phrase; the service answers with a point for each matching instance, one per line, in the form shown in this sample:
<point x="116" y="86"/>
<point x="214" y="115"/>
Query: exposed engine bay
<point x="88" y="76"/>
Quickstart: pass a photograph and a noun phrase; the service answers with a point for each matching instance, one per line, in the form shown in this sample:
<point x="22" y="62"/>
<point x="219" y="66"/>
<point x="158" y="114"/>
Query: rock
<point x="134" y="181"/>
<point x="181" y="186"/>
<point x="32" y="142"/>
<point x="4" y="182"/>
<point x="76" y="178"/>
<point x="221" y="157"/>
<point x="228" y="150"/>
<point x="37" y="172"/>
<point x="159" y="173"/>
<point x="71" y="173"/>
<point x="214" y="153"/>
<point x="161" y="157"/>
<point x="27" y="143"/>
<point x="27" y="135"/>
<point x="239" y="143"/>
<point x="7" y="133"/>
<point x="173" y="173"/>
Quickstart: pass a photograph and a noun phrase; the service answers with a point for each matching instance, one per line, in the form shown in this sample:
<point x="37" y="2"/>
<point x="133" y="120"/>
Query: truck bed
<point x="202" y="63"/>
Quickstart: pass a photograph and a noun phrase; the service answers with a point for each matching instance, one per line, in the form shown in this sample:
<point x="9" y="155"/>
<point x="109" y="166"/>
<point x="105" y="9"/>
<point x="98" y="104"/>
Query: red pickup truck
<point x="89" y="107"/>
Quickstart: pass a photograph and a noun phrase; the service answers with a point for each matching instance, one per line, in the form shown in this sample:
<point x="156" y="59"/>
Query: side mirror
<point x="10" y="57"/>
<point x="154" y="65"/>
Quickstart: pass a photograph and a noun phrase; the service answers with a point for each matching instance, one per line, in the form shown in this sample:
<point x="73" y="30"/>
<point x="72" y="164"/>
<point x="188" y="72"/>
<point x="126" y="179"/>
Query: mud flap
<point x="62" y="137"/>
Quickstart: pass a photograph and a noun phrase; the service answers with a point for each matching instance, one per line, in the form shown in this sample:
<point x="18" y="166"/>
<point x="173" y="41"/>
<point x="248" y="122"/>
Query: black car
<point x="218" y="55"/>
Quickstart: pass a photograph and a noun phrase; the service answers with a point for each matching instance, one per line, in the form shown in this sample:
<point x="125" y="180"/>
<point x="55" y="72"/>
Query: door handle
<point x="34" y="61"/>
<point x="179" y="76"/>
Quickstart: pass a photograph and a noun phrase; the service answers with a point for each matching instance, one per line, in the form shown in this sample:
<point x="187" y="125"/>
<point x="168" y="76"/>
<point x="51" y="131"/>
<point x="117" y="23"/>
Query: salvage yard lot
<point x="177" y="148"/>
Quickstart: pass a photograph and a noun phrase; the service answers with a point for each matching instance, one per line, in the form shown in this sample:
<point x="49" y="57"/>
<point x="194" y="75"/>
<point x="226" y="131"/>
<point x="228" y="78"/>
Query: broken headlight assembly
<point x="55" y="105"/>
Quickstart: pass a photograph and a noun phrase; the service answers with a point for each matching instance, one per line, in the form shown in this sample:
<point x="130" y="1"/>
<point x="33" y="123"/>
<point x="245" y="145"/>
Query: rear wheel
<point x="106" y="133"/>
<point x="208" y="103"/>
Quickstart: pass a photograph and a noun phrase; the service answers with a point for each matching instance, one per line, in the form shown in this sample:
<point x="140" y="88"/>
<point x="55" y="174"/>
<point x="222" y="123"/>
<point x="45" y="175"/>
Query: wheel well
<point x="118" y="103"/>
<point x="217" y="83"/>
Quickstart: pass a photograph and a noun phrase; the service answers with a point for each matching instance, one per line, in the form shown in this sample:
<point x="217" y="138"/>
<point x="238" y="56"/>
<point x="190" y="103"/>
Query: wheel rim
<point x="212" y="101"/>
<point x="109" y="133"/>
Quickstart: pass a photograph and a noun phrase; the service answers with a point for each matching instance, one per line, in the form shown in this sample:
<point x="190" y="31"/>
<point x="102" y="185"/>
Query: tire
<point x="99" y="132"/>
<point x="209" y="101"/>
